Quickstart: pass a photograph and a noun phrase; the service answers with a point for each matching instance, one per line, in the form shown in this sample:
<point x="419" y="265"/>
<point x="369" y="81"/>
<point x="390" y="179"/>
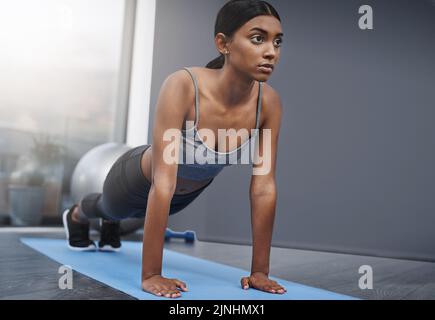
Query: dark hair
<point x="233" y="15"/>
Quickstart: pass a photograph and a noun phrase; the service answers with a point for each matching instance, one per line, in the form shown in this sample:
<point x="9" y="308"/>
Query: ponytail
<point x="217" y="63"/>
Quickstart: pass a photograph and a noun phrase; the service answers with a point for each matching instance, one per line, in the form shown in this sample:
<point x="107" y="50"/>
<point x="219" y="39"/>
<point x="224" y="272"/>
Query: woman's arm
<point x="262" y="220"/>
<point x="263" y="195"/>
<point x="172" y="107"/>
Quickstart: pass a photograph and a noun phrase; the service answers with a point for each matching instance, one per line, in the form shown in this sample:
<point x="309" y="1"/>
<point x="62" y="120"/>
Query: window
<point x="59" y="80"/>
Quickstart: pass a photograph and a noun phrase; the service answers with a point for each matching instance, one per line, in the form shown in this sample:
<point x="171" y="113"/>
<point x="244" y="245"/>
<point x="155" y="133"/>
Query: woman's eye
<point x="257" y="37"/>
<point x="278" y="41"/>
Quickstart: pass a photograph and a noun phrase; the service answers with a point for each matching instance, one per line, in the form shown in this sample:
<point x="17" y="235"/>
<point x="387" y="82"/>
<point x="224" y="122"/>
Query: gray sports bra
<point x="208" y="163"/>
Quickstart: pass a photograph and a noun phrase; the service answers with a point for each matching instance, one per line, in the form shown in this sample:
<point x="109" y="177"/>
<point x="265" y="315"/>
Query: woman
<point x="233" y="94"/>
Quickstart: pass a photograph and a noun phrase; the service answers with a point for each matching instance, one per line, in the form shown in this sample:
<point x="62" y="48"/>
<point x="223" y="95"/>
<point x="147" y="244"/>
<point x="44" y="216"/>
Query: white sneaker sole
<point x="108" y="248"/>
<point x="91" y="247"/>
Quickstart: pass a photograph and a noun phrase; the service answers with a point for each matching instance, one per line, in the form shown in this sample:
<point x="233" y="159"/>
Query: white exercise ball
<point x="92" y="169"/>
<point x="90" y="173"/>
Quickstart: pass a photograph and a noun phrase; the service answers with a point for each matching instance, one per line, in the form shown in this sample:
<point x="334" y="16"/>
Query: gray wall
<point x="356" y="151"/>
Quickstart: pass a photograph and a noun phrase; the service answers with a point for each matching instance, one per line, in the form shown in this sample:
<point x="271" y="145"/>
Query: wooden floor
<point x="27" y="274"/>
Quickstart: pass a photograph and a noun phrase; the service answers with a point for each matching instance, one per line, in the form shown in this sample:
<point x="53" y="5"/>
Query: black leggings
<point x="125" y="191"/>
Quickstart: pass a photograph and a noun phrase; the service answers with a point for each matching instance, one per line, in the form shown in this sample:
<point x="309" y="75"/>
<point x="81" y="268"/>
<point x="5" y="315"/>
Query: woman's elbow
<point x="163" y="187"/>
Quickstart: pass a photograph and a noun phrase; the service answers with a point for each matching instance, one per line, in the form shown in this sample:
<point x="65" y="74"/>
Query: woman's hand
<point x="260" y="281"/>
<point x="161" y="286"/>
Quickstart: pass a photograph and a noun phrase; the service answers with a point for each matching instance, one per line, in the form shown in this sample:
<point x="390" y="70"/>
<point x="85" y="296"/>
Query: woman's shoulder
<point x="183" y="81"/>
<point x="270" y="96"/>
<point x="180" y="75"/>
<point x="200" y="72"/>
<point x="269" y="92"/>
<point x="178" y="89"/>
<point x="193" y="69"/>
<point x="270" y="101"/>
<point x="184" y="78"/>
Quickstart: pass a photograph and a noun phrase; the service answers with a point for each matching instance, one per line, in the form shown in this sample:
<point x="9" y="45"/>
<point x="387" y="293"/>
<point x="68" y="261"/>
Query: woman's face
<point x="256" y="43"/>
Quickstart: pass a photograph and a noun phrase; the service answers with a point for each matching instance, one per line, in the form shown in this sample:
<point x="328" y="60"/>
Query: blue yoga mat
<point x="205" y="280"/>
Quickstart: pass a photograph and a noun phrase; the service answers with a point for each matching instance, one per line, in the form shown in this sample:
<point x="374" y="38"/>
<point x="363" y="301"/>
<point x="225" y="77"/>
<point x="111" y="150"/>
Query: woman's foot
<point x="77" y="233"/>
<point x="110" y="236"/>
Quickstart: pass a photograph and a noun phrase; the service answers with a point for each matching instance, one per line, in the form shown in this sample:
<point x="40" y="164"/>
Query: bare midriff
<point x="183" y="186"/>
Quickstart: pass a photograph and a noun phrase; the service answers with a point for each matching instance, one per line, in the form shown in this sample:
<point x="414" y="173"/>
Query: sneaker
<point x="110" y="236"/>
<point x="77" y="234"/>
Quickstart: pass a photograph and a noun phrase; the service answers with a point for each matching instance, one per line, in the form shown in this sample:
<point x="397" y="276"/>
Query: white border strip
<point x="31" y="229"/>
<point x="36" y="230"/>
<point x="141" y="74"/>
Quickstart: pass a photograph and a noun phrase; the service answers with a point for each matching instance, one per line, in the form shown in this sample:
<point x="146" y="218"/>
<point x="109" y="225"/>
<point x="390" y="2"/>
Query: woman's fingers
<point x="275" y="289"/>
<point x="272" y="287"/>
<point x="280" y="289"/>
<point x="164" y="287"/>
<point x="245" y="283"/>
<point x="266" y="285"/>
<point x="180" y="284"/>
<point x="156" y="292"/>
<point x="171" y="290"/>
<point x="174" y="294"/>
<point x="168" y="293"/>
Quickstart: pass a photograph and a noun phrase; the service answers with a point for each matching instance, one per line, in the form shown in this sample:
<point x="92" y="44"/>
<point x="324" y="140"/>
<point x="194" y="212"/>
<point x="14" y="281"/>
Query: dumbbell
<point x="188" y="236"/>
